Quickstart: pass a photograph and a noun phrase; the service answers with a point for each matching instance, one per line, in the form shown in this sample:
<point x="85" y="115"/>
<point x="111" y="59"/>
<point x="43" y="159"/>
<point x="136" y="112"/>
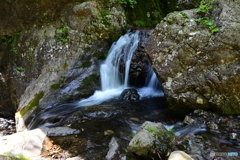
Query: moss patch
<point x="56" y="86"/>
<point x="89" y="79"/>
<point x="87" y="64"/>
<point x="65" y="65"/>
<point x="33" y="103"/>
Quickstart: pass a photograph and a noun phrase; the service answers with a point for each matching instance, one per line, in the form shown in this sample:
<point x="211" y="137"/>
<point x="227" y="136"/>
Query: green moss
<point x="87" y="64"/>
<point x="56" y="86"/>
<point x="65" y="65"/>
<point x="104" y="14"/>
<point x="33" y="103"/>
<point x="89" y="79"/>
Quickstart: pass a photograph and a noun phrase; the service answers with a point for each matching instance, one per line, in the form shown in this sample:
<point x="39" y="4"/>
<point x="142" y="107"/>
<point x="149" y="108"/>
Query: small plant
<point x="151" y="129"/>
<point x="132" y="3"/>
<point x="20" y="69"/>
<point x="169" y="19"/>
<point x="205" y="6"/>
<point x="186" y="20"/>
<point x="15" y="50"/>
<point x="62" y="34"/>
<point x="206" y="21"/>
<point x="104" y="14"/>
<point x="131" y="135"/>
<point x="22" y="157"/>
<point x="183" y="13"/>
<point x="9" y="39"/>
<point x="63" y="30"/>
<point x="141" y="23"/>
<point x="18" y="157"/>
<point x="170" y="129"/>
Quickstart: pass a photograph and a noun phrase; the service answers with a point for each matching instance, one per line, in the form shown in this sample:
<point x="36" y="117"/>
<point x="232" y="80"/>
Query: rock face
<point x="59" y="61"/>
<point x="151" y="140"/>
<point x="196" y="56"/>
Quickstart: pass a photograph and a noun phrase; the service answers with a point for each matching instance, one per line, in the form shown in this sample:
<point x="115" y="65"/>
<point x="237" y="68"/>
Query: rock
<point x="113" y="148"/>
<point x="188" y="120"/>
<point x="108" y="132"/>
<point x="151" y="140"/>
<point x="140" y="65"/>
<point x="129" y="95"/>
<point x="30" y="143"/>
<point x="233" y="136"/>
<point x="197" y="66"/>
<point x="179" y="155"/>
<point x="82" y="14"/>
<point x="212" y="126"/>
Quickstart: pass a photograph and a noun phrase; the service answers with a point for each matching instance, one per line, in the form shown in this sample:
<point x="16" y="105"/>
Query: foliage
<point x="131" y="3"/>
<point x="104" y="14"/>
<point x="20" y="69"/>
<point x="131" y="135"/>
<point x="141" y="23"/>
<point x="206" y="21"/>
<point x="9" y="39"/>
<point x="205" y="6"/>
<point x="62" y="34"/>
<point x="9" y="155"/>
<point x="151" y="129"/>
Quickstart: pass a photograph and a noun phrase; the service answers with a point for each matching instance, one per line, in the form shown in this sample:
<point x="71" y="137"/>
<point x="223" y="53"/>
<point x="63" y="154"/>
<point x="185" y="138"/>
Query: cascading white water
<point x="113" y="82"/>
<point x="110" y="76"/>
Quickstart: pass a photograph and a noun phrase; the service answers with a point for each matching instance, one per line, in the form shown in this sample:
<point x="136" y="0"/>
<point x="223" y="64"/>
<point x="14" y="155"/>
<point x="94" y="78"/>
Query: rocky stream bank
<point x="104" y="132"/>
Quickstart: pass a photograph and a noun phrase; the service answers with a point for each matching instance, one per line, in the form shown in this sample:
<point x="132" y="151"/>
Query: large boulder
<point x="152" y="140"/>
<point x="195" y="54"/>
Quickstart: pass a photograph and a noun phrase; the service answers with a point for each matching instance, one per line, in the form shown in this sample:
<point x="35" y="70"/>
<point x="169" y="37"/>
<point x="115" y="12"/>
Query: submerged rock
<point x="129" y="95"/>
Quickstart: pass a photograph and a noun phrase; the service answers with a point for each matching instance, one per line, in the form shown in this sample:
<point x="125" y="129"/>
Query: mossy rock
<point x="33" y="103"/>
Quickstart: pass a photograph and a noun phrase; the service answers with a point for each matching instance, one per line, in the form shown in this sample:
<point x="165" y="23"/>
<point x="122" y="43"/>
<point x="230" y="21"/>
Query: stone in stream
<point x="179" y="155"/>
<point x="129" y="95"/>
<point x="152" y="140"/>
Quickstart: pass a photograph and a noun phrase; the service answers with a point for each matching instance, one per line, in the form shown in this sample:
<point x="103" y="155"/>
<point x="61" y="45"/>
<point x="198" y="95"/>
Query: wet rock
<point x="233" y="136"/>
<point x="140" y="65"/>
<point x="188" y="120"/>
<point x="129" y="95"/>
<point x="179" y="155"/>
<point x="113" y="148"/>
<point x="108" y="132"/>
<point x="151" y="140"/>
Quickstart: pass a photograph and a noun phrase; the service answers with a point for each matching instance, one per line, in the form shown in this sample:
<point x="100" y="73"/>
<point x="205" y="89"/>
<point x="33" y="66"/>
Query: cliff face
<point x="196" y="56"/>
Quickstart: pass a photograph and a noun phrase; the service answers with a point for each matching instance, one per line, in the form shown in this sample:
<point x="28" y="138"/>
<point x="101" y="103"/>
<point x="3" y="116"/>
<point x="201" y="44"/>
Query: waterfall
<point x="113" y="82"/>
<point x="123" y="48"/>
